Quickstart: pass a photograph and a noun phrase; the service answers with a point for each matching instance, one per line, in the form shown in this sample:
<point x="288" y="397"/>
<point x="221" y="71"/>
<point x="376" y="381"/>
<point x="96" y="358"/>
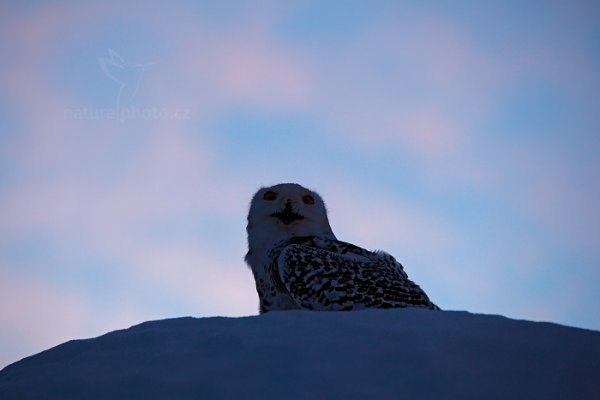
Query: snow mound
<point x="396" y="353"/>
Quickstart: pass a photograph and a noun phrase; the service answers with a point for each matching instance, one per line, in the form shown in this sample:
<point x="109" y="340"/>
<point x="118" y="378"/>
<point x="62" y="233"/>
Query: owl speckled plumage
<point x="298" y="263"/>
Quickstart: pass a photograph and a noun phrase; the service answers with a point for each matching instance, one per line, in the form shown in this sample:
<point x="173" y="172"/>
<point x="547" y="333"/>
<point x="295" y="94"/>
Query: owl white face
<point x="284" y="211"/>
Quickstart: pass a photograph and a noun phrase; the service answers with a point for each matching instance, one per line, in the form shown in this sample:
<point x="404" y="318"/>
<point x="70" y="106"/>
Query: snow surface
<point x="385" y="354"/>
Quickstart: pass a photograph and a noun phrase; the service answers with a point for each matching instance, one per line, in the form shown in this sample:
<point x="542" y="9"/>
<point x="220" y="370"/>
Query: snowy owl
<point x="298" y="263"/>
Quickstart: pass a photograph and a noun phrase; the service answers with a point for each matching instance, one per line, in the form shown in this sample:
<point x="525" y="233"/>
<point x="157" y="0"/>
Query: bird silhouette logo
<point x="127" y="76"/>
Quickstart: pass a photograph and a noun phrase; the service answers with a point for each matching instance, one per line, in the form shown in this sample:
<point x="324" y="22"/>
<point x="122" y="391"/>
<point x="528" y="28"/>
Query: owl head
<point x="284" y="211"/>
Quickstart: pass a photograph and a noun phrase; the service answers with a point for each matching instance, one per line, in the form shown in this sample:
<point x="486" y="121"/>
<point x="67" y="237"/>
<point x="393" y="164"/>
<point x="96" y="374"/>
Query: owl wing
<point x="334" y="275"/>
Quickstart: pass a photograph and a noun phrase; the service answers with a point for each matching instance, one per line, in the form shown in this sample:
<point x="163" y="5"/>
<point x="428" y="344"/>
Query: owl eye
<point x="308" y="199"/>
<point x="269" y="195"/>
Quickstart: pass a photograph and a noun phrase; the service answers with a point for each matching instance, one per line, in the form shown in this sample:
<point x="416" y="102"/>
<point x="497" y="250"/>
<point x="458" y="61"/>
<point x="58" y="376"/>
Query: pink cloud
<point x="35" y="316"/>
<point x="435" y="91"/>
<point x="210" y="283"/>
<point x="170" y="177"/>
<point x="245" y="68"/>
<point x="383" y="221"/>
<point x="566" y="208"/>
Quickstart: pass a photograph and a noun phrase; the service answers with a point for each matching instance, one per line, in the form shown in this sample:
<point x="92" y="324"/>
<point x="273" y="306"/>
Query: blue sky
<point x="461" y="138"/>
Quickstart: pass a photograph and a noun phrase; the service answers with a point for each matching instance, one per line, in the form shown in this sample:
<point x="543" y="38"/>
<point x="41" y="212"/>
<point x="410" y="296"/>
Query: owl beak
<point x="287" y="215"/>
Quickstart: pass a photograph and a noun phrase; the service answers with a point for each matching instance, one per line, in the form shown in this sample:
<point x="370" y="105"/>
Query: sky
<point x="461" y="138"/>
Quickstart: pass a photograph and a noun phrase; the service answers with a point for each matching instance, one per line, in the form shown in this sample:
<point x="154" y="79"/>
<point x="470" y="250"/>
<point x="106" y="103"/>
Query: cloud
<point x="207" y="282"/>
<point x="557" y="194"/>
<point x="35" y="316"/>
